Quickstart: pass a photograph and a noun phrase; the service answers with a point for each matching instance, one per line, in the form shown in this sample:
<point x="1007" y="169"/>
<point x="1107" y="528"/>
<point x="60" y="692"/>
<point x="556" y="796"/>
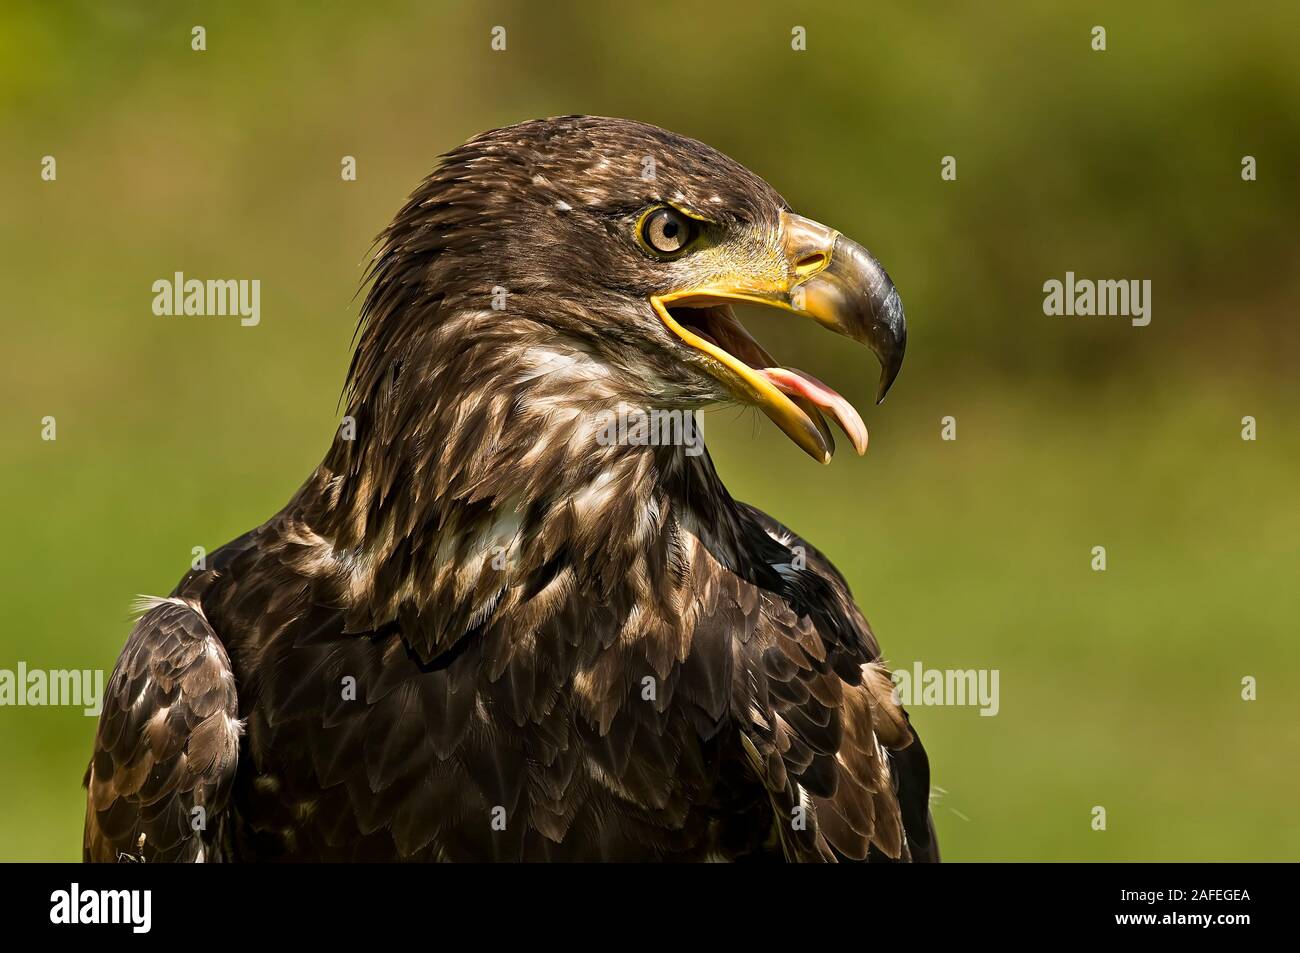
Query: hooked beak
<point x="828" y="278"/>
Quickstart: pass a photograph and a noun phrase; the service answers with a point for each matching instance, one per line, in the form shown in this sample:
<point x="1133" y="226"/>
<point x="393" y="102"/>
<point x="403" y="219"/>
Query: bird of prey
<point x="483" y="630"/>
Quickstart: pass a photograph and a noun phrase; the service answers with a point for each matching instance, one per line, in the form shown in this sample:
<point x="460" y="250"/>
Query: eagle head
<point x="600" y="258"/>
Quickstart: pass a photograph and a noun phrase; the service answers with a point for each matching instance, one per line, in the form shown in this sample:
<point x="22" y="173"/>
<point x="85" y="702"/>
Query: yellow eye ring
<point x="665" y="232"/>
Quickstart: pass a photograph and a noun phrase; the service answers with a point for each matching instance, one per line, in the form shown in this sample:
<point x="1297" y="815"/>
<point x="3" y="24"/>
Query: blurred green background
<point x="1119" y="689"/>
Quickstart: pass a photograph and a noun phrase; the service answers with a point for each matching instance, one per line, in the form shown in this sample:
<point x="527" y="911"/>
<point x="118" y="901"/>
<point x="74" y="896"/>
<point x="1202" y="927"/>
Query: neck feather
<point x="485" y="483"/>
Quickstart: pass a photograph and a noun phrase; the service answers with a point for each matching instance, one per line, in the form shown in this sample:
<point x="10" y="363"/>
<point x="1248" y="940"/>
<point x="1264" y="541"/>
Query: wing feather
<point x="845" y="771"/>
<point x="167" y="742"/>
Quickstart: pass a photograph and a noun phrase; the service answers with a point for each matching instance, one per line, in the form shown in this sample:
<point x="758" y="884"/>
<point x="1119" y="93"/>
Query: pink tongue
<point x="797" y="383"/>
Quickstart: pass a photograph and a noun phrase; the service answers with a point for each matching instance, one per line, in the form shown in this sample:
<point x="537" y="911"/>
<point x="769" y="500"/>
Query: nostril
<point x="810" y="263"/>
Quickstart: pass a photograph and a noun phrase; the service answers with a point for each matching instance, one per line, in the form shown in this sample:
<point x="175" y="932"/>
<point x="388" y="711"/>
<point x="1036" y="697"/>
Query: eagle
<point x="491" y="627"/>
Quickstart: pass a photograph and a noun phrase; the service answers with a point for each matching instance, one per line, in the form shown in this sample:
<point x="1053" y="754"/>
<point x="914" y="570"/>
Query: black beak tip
<point x="887" y="377"/>
<point x="893" y="339"/>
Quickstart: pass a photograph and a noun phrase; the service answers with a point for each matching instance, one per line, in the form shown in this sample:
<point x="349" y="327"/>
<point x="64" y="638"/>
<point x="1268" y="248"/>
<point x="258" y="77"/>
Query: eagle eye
<point x="666" y="231"/>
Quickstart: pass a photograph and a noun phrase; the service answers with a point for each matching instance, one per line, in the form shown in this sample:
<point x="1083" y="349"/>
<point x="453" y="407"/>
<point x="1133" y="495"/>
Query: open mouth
<point x="710" y="326"/>
<point x="820" y="275"/>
